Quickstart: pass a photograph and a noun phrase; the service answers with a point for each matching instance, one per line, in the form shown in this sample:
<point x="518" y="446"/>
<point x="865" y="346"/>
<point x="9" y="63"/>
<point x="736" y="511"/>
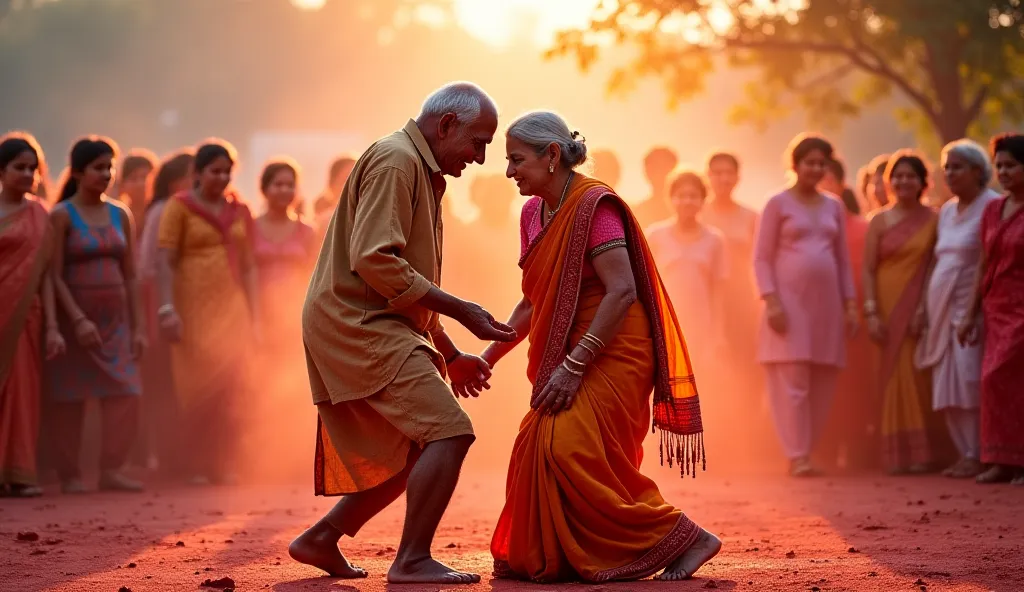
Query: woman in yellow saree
<point x="603" y="335"/>
<point x="897" y="257"/>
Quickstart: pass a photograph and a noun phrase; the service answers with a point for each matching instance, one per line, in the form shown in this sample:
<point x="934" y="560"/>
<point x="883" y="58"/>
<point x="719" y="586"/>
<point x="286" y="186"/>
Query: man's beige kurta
<point x="382" y="253"/>
<point x="374" y="373"/>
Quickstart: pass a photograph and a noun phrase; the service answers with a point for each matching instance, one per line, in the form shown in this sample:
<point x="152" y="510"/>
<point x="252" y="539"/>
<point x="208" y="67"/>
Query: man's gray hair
<point x="465" y="99"/>
<point x="540" y="129"/>
<point x="973" y="153"/>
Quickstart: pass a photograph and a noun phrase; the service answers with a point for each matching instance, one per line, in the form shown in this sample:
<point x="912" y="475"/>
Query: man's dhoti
<point x="364" y="442"/>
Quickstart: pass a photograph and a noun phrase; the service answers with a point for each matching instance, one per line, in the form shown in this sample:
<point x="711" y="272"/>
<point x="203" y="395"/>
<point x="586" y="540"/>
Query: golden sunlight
<point x="498" y="22"/>
<point x="309" y="4"/>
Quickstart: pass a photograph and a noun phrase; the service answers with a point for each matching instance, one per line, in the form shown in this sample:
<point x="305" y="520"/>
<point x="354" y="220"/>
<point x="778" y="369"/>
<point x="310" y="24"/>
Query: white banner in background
<point x="313" y="150"/>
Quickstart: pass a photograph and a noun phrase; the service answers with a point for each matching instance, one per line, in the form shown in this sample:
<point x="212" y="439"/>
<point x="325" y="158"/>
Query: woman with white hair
<point x="603" y="336"/>
<point x="956" y="368"/>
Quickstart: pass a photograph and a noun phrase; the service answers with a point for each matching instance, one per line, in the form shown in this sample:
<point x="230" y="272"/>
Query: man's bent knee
<point x="456" y="445"/>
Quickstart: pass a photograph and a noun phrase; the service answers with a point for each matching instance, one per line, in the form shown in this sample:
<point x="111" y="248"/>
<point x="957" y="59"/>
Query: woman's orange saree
<point x="576" y="504"/>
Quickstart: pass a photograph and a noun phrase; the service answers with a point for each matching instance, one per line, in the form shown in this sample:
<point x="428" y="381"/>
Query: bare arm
<point x="444" y="343"/>
<point x="250" y="283"/>
<point x="519" y="320"/>
<point x="166" y="260"/>
<point x="49" y="303"/>
<point x="871" y="264"/>
<point x="60" y="221"/>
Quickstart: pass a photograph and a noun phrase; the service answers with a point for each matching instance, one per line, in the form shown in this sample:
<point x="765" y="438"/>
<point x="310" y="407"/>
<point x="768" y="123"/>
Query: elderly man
<point x="375" y="350"/>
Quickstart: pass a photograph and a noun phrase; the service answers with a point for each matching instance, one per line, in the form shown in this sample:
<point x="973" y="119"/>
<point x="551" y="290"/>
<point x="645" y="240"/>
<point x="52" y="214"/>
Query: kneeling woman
<point x="602" y="336"/>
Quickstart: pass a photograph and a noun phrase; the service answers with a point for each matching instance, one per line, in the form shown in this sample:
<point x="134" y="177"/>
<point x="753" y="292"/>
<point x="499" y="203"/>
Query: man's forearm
<point x="444" y="344"/>
<point x="442" y="303"/>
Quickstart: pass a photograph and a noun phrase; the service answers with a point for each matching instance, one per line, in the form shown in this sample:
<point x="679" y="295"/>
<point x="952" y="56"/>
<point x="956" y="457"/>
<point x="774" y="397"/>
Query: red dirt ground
<point x="849" y="533"/>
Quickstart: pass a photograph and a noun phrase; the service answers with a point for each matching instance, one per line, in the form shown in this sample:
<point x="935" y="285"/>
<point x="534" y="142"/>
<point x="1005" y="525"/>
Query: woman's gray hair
<point x="465" y="99"/>
<point x="540" y="129"/>
<point x="973" y="153"/>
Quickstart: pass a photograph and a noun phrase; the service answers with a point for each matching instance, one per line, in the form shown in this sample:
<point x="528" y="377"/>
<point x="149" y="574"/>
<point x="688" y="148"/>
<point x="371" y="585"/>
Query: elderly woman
<point x="956" y="369"/>
<point x="997" y="294"/>
<point x="602" y="336"/>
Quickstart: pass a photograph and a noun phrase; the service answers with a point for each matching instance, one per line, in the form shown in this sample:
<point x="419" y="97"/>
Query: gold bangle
<point x="575" y="361"/>
<point x="570" y="370"/>
<point x="584" y="345"/>
<point x="596" y="341"/>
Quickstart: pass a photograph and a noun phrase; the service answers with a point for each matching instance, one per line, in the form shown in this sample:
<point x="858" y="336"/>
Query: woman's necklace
<point x="551" y="214"/>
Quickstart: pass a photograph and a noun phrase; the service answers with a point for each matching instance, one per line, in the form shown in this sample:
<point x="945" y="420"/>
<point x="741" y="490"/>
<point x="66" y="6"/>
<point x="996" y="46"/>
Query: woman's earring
<point x="551" y="167"/>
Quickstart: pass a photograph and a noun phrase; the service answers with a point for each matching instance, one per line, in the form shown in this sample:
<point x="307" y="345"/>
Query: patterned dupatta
<point x="233" y="211"/>
<point x="558" y="253"/>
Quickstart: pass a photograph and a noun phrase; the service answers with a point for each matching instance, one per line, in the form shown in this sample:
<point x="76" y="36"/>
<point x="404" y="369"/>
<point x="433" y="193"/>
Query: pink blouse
<point x="606" y="232"/>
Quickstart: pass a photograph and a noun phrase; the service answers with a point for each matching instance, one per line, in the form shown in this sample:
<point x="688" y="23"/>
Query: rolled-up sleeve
<point x="380" y="231"/>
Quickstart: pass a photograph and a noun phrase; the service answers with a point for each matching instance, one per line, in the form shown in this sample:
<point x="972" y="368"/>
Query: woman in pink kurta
<point x="691" y="257"/>
<point x="802" y="266"/>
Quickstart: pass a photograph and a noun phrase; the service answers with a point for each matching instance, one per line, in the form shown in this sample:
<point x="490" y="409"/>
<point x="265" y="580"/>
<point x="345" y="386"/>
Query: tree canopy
<point x="958" y="65"/>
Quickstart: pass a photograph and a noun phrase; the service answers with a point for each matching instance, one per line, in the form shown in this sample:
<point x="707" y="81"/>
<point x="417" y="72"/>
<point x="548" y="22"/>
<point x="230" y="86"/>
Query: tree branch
<point x="974" y="107"/>
<point x="881" y="68"/>
<point x="830" y="77"/>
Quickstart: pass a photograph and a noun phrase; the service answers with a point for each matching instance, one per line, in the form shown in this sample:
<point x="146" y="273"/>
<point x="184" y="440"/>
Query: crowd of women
<point x="891" y="327"/>
<point x="889" y="335"/>
<point x="163" y="290"/>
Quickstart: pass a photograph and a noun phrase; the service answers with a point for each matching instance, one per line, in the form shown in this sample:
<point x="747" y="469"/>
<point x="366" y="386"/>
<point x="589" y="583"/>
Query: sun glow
<point x="498" y="22"/>
<point x="309" y="4"/>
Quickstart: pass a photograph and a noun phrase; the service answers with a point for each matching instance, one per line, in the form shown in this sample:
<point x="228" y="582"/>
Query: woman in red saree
<point x="998" y="295"/>
<point x="603" y="334"/>
<point x="27" y="293"/>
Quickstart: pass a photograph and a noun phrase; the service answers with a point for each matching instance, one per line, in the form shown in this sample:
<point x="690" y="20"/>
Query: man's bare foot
<point x="320" y="551"/>
<point x="428" y="571"/>
<point x="704" y="548"/>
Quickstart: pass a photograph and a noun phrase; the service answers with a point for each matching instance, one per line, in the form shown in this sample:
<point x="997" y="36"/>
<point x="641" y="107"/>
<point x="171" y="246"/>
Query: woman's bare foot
<point x="969" y="468"/>
<point x="996" y="474"/>
<point x="428" y="571"/>
<point x="321" y="551"/>
<point x="703" y="550"/>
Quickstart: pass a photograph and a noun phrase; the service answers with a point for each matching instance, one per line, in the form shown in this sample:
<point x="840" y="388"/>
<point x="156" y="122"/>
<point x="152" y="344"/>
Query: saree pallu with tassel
<point x="577" y="506"/>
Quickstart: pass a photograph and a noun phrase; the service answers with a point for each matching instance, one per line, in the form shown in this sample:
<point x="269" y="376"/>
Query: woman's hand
<point x="55" y="344"/>
<point x="919" y="324"/>
<point x="139" y="343"/>
<point x="170" y="326"/>
<point x="877" y="330"/>
<point x="777" y="319"/>
<point x="967" y="333"/>
<point x="87" y="333"/>
<point x="558" y="394"/>
<point x="852" y="321"/>
<point x="469" y="375"/>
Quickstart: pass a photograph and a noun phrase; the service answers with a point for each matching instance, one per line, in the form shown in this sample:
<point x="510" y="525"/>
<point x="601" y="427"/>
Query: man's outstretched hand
<point x="469" y="314"/>
<point x="469" y="375"/>
<point x="483" y="325"/>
